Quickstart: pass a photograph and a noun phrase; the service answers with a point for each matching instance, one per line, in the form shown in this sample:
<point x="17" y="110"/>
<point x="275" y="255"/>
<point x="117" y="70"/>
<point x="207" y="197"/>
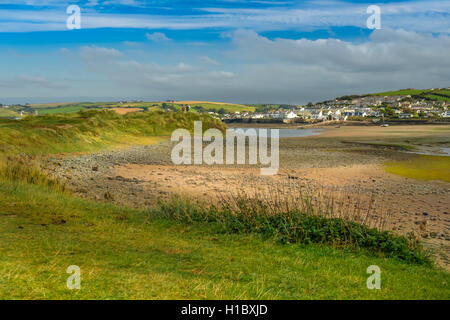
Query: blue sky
<point x="230" y="50"/>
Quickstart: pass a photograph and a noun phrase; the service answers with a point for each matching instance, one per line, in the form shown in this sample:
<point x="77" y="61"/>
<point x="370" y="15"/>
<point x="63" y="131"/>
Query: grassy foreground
<point x="123" y="254"/>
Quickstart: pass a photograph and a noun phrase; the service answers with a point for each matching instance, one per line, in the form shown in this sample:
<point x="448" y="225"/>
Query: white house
<point x="290" y="115"/>
<point x="257" y="116"/>
<point x="445" y="114"/>
<point x="405" y="115"/>
<point x="317" y="114"/>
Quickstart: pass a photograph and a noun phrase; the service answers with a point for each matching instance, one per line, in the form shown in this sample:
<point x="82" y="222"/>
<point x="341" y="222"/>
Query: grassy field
<point x="123" y="253"/>
<point x="67" y="107"/>
<point x="8" y="113"/>
<point x="62" y="109"/>
<point x="435" y="94"/>
<point x="228" y="107"/>
<point x="422" y="167"/>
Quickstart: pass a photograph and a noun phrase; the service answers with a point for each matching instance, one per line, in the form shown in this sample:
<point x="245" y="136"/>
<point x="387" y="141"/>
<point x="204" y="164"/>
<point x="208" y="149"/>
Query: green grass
<point x="229" y="108"/>
<point x="436" y="94"/>
<point x="92" y="130"/>
<point x="55" y="108"/>
<point x="63" y="109"/>
<point x="123" y="254"/>
<point x="8" y="113"/>
<point x="422" y="167"/>
<point x="401" y="92"/>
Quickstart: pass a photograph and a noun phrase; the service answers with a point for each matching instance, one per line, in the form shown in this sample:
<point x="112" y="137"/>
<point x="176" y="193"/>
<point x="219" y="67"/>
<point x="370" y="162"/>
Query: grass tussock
<point x="25" y="169"/>
<point x="299" y="218"/>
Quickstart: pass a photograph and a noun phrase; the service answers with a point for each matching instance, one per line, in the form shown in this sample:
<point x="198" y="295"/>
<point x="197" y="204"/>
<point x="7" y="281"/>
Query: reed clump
<point x="292" y="214"/>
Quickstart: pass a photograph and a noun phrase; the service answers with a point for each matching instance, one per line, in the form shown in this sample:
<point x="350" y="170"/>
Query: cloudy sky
<point x="256" y="51"/>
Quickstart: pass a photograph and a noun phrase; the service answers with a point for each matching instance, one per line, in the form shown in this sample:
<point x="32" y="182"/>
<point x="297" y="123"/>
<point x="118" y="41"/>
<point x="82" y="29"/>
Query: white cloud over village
<point x="281" y="70"/>
<point x="247" y="66"/>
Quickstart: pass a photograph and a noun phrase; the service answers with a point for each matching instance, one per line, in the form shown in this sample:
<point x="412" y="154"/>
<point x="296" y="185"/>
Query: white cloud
<point x="29" y="81"/>
<point x="209" y="60"/>
<point x="258" y="69"/>
<point x="423" y="16"/>
<point x="92" y="3"/>
<point x="99" y="53"/>
<point x="157" y="37"/>
<point x="294" y="71"/>
<point x="222" y="74"/>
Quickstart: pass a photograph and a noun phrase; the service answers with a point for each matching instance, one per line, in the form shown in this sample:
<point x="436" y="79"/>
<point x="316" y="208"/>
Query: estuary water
<point x="283" y="133"/>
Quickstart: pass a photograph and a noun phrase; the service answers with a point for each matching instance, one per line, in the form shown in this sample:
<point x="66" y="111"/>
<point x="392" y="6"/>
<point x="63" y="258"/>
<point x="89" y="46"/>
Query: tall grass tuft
<point x="25" y="169"/>
<point x="295" y="217"/>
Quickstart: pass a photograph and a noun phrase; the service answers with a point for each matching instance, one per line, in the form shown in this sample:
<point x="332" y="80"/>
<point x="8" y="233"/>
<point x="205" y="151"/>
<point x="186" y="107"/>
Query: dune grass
<point x="303" y="225"/>
<point x="92" y="130"/>
<point x="422" y="167"/>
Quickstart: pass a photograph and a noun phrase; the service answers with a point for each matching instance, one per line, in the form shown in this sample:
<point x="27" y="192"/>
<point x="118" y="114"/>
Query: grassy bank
<point x="122" y="254"/>
<point x="92" y="130"/>
<point x="422" y="167"/>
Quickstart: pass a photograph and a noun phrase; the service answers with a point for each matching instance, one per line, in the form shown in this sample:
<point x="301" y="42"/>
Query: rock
<point x="108" y="196"/>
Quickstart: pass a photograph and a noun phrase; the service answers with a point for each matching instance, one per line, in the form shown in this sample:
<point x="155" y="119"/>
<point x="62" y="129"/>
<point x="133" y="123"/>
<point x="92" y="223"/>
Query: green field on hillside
<point x="8" y="113"/>
<point x="63" y="109"/>
<point x="228" y="107"/>
<point x="435" y="94"/>
<point x="53" y="108"/>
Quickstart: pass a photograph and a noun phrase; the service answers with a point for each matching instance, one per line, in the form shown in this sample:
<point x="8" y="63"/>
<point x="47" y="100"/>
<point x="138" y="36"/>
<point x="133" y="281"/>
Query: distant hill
<point x="210" y="105"/>
<point x="127" y="106"/>
<point x="428" y="94"/>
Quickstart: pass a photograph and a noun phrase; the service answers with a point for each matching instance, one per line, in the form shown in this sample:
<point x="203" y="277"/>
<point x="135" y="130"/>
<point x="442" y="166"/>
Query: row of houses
<point x="331" y="113"/>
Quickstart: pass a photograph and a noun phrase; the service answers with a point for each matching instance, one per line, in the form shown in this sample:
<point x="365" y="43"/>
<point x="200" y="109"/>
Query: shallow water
<point x="284" y="133"/>
<point x="442" y="152"/>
